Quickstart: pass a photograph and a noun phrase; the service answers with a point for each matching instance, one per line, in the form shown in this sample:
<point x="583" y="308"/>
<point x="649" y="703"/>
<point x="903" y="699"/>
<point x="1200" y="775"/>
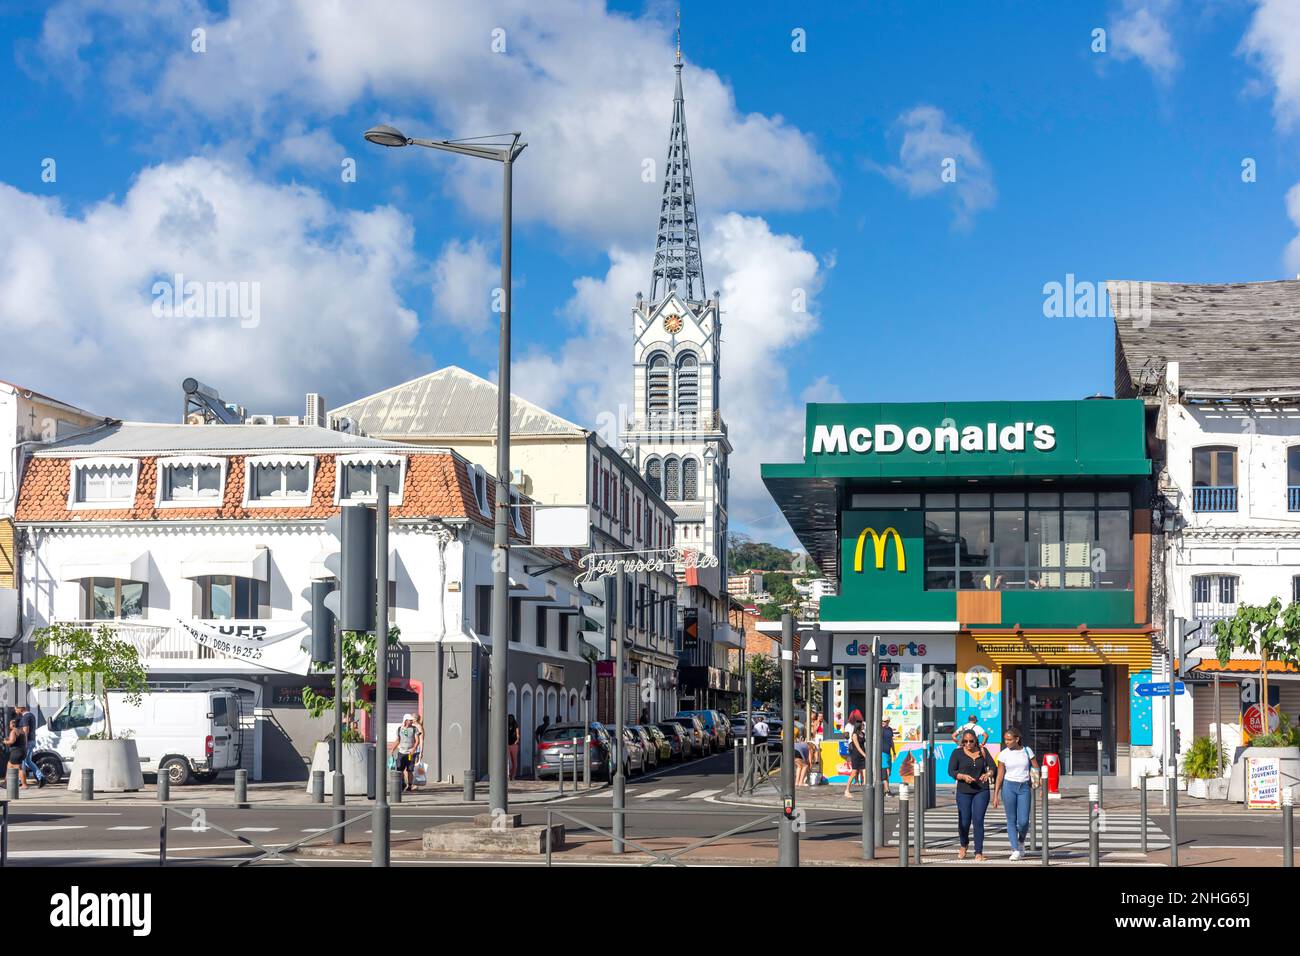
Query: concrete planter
<point x="116" y="764"/>
<point x="1198" y="788"/>
<point x="356" y="765"/>
<point x="1289" y="763"/>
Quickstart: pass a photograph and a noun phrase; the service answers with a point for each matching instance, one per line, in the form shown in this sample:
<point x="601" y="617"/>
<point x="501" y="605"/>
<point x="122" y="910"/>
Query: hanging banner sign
<point x="259" y="642"/>
<point x="596" y="566"/>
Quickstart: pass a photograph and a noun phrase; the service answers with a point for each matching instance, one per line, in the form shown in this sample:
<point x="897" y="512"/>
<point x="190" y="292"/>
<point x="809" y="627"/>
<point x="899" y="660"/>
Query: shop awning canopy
<point x="123" y="565"/>
<point x="247" y="562"/>
<point x="1065" y="648"/>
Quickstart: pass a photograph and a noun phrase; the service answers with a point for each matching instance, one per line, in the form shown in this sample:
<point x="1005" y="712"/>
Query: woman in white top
<point x="1017" y="776"/>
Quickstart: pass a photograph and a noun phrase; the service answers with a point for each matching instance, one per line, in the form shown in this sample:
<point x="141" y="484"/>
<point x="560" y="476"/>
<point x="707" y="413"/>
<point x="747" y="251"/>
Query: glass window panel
<point x="120" y="481"/>
<point x="1080" y="499"/>
<point x="103" y="599"/>
<point x="246" y="598"/>
<point x="1113" y="499"/>
<point x="1044" y="550"/>
<point x="1008" y="499"/>
<point x="357" y="481"/>
<point x="133" y="599"/>
<point x="1225" y="472"/>
<point x="975" y="538"/>
<point x="221" y="598"/>
<point x="1079" y="527"/>
<point x="1227" y="590"/>
<point x="1115" y="544"/>
<point x="180" y="482"/>
<point x="209" y="481"/>
<point x="267" y="481"/>
<point x="941" y="501"/>
<point x="940" y="539"/>
<point x="390" y="475"/>
<point x="1293" y="466"/>
<point x="1044" y="499"/>
<point x="1009" y="539"/>
<point x="974" y="499"/>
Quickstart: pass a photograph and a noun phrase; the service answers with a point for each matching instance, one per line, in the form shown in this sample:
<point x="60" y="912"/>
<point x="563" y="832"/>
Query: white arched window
<point x="690" y="479"/>
<point x="672" y="480"/>
<point x="512" y="702"/>
<point x="552" y="708"/>
<point x="688" y="386"/>
<point x="574" y="711"/>
<point x="657" y="385"/>
<point x="654" y="475"/>
<point x="526" y="726"/>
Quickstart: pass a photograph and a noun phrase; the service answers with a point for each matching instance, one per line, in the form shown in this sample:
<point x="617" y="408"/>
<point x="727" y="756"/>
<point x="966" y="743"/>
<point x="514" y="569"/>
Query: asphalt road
<point x="677" y="801"/>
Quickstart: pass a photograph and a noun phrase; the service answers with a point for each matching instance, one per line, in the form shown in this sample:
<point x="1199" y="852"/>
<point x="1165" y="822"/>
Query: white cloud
<point x="590" y="89"/>
<point x="1272" y="42"/>
<point x="465" y="278"/>
<point x="937" y="156"/>
<point x="1291" y="256"/>
<point x="1139" y="29"/>
<point x="77" y="292"/>
<point x="315" y="149"/>
<point x="764" y="279"/>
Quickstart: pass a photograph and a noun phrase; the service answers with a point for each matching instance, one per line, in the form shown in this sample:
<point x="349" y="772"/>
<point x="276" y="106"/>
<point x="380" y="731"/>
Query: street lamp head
<point x="386" y="136"/>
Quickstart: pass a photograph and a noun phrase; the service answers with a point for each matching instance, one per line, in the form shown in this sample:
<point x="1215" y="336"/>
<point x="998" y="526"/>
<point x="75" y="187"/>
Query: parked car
<point x="648" y="746"/>
<point x="712" y="726"/>
<point x="634" y="752"/>
<point x="665" y="749"/>
<point x="679" y="741"/>
<point x="701" y="738"/>
<point x="739" y="727"/>
<point x="555" y="749"/>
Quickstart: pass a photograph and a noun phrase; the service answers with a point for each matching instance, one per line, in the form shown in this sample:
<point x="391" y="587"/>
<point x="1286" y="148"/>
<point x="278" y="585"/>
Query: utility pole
<point x="379" y="831"/>
<point x="618" y="635"/>
<point x="1173" y="636"/>
<point x="869" y="778"/>
<point x="789" y="835"/>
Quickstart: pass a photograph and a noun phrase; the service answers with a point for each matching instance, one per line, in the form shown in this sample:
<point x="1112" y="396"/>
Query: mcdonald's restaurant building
<point x="1000" y="554"/>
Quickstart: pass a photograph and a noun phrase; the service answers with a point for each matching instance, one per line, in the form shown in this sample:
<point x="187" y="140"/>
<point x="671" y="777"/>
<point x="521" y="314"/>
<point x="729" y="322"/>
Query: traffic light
<point x="354" y="567"/>
<point x="887" y="675"/>
<point x="322" y="623"/>
<point x="1178" y="741"/>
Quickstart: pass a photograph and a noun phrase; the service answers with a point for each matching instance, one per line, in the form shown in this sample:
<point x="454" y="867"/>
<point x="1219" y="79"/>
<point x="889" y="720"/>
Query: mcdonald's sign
<point x="879" y="543"/>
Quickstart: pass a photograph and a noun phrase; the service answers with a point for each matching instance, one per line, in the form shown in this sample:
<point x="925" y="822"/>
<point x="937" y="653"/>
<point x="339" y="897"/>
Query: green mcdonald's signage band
<point x="887" y="438"/>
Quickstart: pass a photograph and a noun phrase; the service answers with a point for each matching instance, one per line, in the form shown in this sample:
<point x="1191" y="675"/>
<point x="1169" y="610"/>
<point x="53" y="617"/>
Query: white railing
<point x="152" y="641"/>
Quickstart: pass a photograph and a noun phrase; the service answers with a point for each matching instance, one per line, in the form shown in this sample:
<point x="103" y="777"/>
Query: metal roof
<point x="144" y="438"/>
<point x="1237" y="338"/>
<point x="450" y="402"/>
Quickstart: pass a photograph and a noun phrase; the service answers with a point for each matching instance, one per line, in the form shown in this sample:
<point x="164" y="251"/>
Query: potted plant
<point x="359" y="670"/>
<point x="91" y="660"/>
<point x="1202" y="764"/>
<point x="1272" y="632"/>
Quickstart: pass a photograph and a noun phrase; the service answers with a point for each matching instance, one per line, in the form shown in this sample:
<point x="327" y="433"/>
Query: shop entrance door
<point x="1067" y="712"/>
<point x="1086" y="727"/>
<point x="1048" y="730"/>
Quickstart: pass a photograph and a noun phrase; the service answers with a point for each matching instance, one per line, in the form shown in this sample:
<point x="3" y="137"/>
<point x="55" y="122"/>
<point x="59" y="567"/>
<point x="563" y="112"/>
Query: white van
<point x="189" y="735"/>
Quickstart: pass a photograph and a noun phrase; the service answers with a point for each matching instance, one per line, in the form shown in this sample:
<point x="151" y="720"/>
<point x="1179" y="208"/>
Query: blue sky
<point x="818" y="173"/>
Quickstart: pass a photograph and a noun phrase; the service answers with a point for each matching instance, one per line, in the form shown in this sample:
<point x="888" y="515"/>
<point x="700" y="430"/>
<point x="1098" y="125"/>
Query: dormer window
<point x="481" y="490"/>
<point x="516" y="512"/>
<point x="103" y="483"/>
<point x="358" y="477"/>
<point x="195" y="482"/>
<point x="279" y="481"/>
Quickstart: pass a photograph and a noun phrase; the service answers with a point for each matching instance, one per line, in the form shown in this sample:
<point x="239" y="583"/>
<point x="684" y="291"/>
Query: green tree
<point x="359" y="669"/>
<point x="767" y="677"/>
<point x="1269" y="631"/>
<point x="86" y="660"/>
<point x="744" y="554"/>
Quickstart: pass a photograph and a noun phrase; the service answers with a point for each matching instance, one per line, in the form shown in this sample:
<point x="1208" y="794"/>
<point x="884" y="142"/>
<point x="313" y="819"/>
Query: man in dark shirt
<point x="27" y="724"/>
<point x="886" y="751"/>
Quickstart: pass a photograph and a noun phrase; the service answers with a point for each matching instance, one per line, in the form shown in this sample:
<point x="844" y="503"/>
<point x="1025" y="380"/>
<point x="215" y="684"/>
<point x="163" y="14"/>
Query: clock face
<point x="672" y="324"/>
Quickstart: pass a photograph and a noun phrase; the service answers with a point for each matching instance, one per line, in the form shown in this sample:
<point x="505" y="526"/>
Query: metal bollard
<point x="1094" y="825"/>
<point x="339" y="813"/>
<point x="469" y="786"/>
<point x="164" y="786"/>
<point x="1101" y="753"/>
<point x="162" y="838"/>
<point x="902" y="825"/>
<point x="1030" y="845"/>
<point x="11" y="784"/>
<point x="1288" y="827"/>
<point x="920" y="811"/>
<point x="1142" y="808"/>
<point x="88" y="784"/>
<point x="735" y="770"/>
<point x="586" y="761"/>
<point x="4" y="834"/>
<point x="318" y="786"/>
<point x="395" y="785"/>
<point x="241" y="789"/>
<point x="1045" y="845"/>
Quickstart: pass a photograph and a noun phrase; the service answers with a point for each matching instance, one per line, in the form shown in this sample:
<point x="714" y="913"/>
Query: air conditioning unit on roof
<point x="259" y="420"/>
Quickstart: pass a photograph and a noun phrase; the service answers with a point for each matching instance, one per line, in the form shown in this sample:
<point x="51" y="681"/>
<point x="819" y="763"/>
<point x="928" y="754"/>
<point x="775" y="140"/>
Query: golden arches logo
<point x="879" y="543"/>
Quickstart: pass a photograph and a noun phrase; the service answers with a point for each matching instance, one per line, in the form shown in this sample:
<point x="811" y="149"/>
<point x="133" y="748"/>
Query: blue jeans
<point x="29" y="765"/>
<point x="971" y="808"/>
<point x="1018" y="797"/>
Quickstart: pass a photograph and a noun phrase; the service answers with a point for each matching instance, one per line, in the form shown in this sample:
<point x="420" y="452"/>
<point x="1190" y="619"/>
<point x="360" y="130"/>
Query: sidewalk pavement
<point x="1117" y="798"/>
<point x="295" y="794"/>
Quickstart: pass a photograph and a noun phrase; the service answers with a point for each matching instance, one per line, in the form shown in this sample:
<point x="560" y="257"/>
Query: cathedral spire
<point x="678" y="265"/>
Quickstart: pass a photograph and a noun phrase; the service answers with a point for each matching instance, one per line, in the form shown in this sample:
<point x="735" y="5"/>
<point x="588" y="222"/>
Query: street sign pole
<point x="379" y="855"/>
<point x="1173" y="639"/>
<point x="868" y="779"/>
<point x="789" y="850"/>
<point x="619" y="632"/>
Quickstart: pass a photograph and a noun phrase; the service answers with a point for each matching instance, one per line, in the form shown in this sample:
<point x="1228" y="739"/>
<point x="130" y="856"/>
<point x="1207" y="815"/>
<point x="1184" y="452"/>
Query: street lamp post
<point x="482" y="148"/>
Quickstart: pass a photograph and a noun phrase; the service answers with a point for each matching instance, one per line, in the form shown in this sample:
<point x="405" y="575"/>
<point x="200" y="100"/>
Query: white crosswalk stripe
<point x="256" y="829"/>
<point x="39" y="827"/>
<point x="1068" y="829"/>
<point x="701" y="794"/>
<point x="130" y="828"/>
<point x="656" y="794"/>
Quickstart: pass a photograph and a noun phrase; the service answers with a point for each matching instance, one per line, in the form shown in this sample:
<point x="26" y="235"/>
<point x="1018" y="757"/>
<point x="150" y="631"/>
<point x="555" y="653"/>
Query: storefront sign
<point x="878" y="545"/>
<point x="1263" y="783"/>
<point x="596" y="566"/>
<point x="886" y="438"/>
<point x="925" y="648"/>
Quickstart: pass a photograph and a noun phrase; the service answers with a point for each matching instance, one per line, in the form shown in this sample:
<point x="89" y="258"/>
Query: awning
<point x="246" y="562"/>
<point x="318" y="571"/>
<point x="1246" y="666"/>
<point x="125" y="566"/>
<point x="1066" y="648"/>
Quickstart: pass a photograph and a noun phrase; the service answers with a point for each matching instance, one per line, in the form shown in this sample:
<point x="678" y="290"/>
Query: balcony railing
<point x="1220" y="498"/>
<point x="1210" y="612"/>
<point x="152" y="641"/>
<point x="1293" y="498"/>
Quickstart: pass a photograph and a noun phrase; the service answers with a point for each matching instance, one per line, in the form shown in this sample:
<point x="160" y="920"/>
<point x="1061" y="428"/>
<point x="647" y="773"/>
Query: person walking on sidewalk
<point x="27" y="724"/>
<point x="16" y="748"/>
<point x="886" y="751"/>
<point x="405" y="746"/>
<point x="1017" y="777"/>
<point x="972" y="724"/>
<point x="512" y="746"/>
<point x="857" y="758"/>
<point x="973" y="769"/>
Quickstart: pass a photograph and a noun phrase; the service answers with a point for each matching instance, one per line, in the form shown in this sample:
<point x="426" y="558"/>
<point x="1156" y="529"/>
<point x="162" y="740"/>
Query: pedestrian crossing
<point x="659" y="793"/>
<point x="1069" y="830"/>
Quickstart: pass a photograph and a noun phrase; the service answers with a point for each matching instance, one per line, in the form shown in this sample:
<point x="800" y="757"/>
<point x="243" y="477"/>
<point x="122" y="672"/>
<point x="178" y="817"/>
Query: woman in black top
<point x="16" y="745"/>
<point x="973" y="769"/>
<point x="512" y="745"/>
<point x="857" y="758"/>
